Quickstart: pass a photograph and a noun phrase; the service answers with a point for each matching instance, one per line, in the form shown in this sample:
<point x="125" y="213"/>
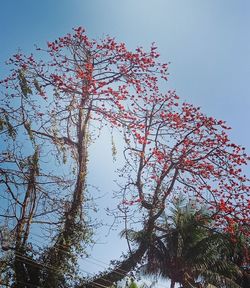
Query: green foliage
<point x="7" y="124"/>
<point x="132" y="284"/>
<point x="24" y="83"/>
<point x="35" y="161"/>
<point x="114" y="150"/>
<point x="187" y="251"/>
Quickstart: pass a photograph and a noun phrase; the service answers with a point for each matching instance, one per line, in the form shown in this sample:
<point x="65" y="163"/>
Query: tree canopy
<point x="54" y="104"/>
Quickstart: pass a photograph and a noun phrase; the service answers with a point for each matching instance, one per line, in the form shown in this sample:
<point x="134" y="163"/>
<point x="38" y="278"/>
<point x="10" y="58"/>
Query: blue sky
<point x="207" y="43"/>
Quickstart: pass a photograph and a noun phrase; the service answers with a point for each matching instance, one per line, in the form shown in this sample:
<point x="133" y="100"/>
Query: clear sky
<point x="207" y="43"/>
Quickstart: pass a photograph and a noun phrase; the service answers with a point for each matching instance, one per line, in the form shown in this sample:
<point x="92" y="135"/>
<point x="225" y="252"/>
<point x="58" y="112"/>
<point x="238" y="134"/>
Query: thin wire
<point x="89" y="273"/>
<point x="48" y="267"/>
<point x="121" y="273"/>
<point x="51" y="268"/>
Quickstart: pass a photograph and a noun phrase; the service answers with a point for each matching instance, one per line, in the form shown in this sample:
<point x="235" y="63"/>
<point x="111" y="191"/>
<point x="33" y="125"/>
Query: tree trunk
<point x="59" y="255"/>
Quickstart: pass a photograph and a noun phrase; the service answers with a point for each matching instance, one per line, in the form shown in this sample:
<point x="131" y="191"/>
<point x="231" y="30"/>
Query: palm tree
<point x="238" y="251"/>
<point x="185" y="250"/>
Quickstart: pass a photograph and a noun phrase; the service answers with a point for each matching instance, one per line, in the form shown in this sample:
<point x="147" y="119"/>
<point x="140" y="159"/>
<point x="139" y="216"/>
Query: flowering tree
<point x="53" y="108"/>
